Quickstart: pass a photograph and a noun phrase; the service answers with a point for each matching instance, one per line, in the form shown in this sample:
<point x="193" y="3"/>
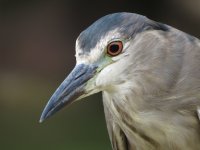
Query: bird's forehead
<point x="99" y="43"/>
<point x="110" y="26"/>
<point x="118" y="25"/>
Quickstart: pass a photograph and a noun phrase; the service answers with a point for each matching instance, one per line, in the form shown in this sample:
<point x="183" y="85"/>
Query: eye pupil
<point x="114" y="48"/>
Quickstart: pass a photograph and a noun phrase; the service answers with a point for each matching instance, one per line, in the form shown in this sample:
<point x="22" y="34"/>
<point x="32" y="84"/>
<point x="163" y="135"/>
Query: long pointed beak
<point x="69" y="90"/>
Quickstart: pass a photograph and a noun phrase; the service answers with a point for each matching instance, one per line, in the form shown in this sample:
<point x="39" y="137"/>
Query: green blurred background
<point x="37" y="41"/>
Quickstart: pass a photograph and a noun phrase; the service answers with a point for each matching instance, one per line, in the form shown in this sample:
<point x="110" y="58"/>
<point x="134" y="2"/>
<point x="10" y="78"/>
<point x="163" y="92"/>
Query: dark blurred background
<point x="37" y="43"/>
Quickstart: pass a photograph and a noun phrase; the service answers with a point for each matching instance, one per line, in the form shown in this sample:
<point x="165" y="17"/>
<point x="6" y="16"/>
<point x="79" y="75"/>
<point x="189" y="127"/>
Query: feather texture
<point x="154" y="106"/>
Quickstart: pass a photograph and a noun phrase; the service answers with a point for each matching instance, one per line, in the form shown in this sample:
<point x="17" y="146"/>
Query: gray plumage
<point x="151" y="91"/>
<point x="129" y="25"/>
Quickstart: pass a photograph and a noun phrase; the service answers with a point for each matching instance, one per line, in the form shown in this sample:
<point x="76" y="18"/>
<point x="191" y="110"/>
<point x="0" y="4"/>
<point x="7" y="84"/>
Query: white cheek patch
<point x="111" y="74"/>
<point x="103" y="77"/>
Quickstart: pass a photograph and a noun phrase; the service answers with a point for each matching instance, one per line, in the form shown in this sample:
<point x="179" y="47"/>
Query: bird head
<point x="103" y="58"/>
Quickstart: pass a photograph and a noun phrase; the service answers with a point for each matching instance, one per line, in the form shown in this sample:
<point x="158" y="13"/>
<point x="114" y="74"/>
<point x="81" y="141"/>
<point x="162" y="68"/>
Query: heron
<point x="149" y="76"/>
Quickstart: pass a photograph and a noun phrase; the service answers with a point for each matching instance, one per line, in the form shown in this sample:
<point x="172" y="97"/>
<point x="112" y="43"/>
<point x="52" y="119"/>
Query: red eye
<point x="114" y="48"/>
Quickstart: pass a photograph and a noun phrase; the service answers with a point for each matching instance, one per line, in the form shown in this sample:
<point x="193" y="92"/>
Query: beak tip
<point x="42" y="118"/>
<point x="70" y="89"/>
<point x="47" y="112"/>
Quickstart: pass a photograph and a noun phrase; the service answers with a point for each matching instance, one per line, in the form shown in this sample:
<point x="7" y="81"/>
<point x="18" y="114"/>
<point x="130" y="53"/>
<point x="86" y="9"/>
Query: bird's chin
<point x="88" y="93"/>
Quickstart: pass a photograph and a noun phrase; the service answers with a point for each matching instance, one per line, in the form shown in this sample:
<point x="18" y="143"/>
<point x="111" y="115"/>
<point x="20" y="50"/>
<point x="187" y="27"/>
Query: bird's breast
<point x="151" y="129"/>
